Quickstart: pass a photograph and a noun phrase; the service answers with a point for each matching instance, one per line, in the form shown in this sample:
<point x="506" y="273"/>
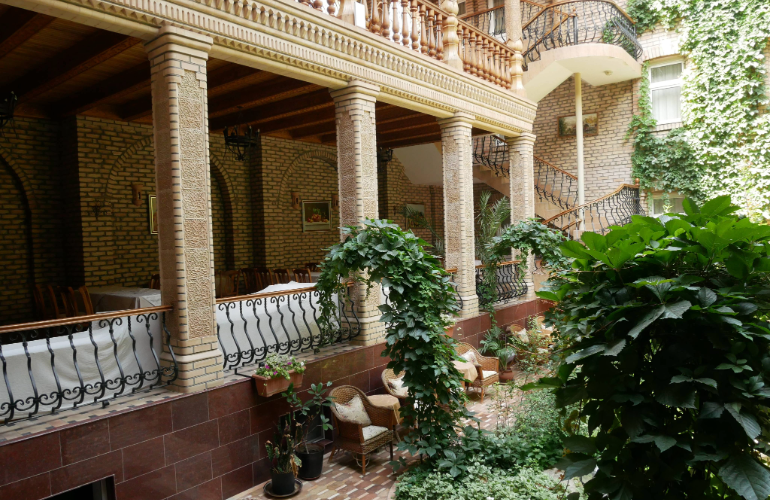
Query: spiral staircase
<point x="557" y="192"/>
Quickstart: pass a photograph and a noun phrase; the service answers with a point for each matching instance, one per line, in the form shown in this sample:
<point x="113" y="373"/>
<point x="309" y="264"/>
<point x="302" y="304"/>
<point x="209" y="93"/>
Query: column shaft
<point x="180" y="118"/>
<point x="357" y="171"/>
<point x="522" y="186"/>
<point x="458" y="208"/>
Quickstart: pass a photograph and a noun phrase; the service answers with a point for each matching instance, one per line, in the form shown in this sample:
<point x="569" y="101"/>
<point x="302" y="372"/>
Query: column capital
<point x="357" y="89"/>
<point x="175" y="39"/>
<point x="524" y="138"/>
<point x="460" y="118"/>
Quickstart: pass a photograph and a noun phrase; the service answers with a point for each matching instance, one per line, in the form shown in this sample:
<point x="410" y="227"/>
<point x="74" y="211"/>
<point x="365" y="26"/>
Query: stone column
<point x="180" y="125"/>
<point x="456" y="149"/>
<point x="357" y="173"/>
<point x="522" y="179"/>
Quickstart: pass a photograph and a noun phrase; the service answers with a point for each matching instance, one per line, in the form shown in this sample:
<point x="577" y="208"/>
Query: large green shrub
<point x="667" y="353"/>
<point x="421" y="302"/>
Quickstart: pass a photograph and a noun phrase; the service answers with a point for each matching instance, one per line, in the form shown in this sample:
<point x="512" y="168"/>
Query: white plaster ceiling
<point x="597" y="63"/>
<point x="423" y="164"/>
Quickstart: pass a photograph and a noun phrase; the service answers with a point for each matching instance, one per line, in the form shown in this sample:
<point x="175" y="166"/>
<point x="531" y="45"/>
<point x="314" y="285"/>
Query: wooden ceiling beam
<point x="394" y="113"/>
<point x="279" y="109"/>
<point x="229" y="74"/>
<point x="255" y="95"/>
<point x="19" y="25"/>
<point x="416" y="131"/>
<point x="325" y="128"/>
<point x="115" y="87"/>
<point x="86" y="54"/>
<point x="412" y="123"/>
<point x="412" y="141"/>
<point x="291" y="122"/>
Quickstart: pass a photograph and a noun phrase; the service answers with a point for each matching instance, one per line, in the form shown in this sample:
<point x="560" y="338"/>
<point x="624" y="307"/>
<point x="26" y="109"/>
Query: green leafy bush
<point x="668" y="356"/>
<point x="479" y="482"/>
<point x="530" y="235"/>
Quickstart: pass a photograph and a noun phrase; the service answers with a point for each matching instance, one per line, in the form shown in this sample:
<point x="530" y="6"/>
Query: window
<point x="667" y="203"/>
<point x="461" y="8"/>
<point x="665" y="92"/>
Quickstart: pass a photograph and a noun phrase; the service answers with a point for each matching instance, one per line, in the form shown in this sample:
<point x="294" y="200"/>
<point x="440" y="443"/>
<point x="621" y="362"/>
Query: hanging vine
<point x="724" y="145"/>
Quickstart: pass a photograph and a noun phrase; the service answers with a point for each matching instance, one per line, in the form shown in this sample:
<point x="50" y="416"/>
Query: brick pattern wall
<point x="31" y="249"/>
<point x="607" y="156"/>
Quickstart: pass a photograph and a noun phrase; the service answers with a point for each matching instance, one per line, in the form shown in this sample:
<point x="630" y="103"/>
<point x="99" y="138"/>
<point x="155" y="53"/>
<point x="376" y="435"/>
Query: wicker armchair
<point x="387" y="376"/>
<point x="350" y="437"/>
<point x="488" y="364"/>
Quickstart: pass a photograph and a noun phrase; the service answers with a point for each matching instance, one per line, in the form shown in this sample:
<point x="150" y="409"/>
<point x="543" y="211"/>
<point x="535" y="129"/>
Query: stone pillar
<point x="180" y="126"/>
<point x="357" y="173"/>
<point x="459" y="221"/>
<point x="522" y="179"/>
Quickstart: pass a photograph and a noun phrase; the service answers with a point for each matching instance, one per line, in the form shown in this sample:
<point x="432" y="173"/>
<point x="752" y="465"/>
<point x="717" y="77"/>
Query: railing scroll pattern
<point x="62" y="364"/>
<point x="492" y="21"/>
<point x="555" y="185"/>
<point x="249" y="327"/>
<point x="599" y="215"/>
<point x="492" y="152"/>
<point x="510" y="282"/>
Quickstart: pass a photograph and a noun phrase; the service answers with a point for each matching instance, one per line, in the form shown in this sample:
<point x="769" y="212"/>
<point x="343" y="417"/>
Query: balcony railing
<point x="250" y="327"/>
<point x="555" y="185"/>
<point x="599" y="215"/>
<point x="575" y="22"/>
<point x="492" y="20"/>
<point x="492" y="152"/>
<point x="510" y="282"/>
<point x="54" y="365"/>
<point x="420" y="25"/>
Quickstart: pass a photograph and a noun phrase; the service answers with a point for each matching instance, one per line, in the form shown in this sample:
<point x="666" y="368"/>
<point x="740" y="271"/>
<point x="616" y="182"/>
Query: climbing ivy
<point x="725" y="139"/>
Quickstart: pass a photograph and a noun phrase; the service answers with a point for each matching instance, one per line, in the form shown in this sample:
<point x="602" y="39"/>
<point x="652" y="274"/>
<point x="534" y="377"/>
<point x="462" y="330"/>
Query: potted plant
<point x="284" y="463"/>
<point x="496" y="343"/>
<point x="303" y="419"/>
<point x="276" y="373"/>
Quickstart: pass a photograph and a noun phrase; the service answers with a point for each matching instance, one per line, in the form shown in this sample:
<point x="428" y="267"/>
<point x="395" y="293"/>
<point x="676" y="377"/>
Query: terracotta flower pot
<point x="506" y="376"/>
<point x="269" y="386"/>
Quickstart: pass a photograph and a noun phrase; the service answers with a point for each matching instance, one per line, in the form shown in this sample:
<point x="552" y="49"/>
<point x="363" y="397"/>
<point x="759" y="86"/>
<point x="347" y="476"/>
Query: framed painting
<point x="316" y="215"/>
<point x="567" y="125"/>
<point x="152" y="211"/>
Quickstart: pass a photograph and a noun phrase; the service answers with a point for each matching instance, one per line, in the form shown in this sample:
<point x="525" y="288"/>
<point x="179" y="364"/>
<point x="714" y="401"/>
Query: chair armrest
<point x="488" y="363"/>
<point x="382" y="417"/>
<point x="349" y="430"/>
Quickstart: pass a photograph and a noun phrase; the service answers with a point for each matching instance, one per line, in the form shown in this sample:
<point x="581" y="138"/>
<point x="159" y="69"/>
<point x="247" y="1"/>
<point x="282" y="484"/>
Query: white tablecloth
<point x="119" y="298"/>
<point x="38" y="350"/>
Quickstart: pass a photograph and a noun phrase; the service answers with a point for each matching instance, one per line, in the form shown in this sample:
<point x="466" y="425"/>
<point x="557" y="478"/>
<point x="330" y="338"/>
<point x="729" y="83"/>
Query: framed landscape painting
<point x="316" y="215"/>
<point x="152" y="210"/>
<point x="567" y="128"/>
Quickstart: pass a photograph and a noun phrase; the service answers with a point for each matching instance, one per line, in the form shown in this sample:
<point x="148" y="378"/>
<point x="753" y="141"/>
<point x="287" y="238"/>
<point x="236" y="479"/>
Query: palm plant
<point x="417" y="219"/>
<point x="491" y="220"/>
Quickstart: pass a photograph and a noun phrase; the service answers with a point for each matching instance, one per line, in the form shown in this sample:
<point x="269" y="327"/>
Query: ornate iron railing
<point x="250" y="327"/>
<point x="554" y="184"/>
<point x="62" y="364"/>
<point x="510" y="282"/>
<point x="575" y="22"/>
<point x="492" y="152"/>
<point x="492" y="21"/>
<point x="614" y="209"/>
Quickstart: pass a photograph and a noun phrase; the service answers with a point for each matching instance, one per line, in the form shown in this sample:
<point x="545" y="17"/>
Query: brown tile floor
<point x="342" y="479"/>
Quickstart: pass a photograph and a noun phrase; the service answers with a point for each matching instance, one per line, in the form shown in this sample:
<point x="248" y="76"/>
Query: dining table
<point x="119" y="297"/>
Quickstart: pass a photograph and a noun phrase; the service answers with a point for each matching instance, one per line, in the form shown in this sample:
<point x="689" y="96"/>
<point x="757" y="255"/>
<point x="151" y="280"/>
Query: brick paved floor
<point x="342" y="479"/>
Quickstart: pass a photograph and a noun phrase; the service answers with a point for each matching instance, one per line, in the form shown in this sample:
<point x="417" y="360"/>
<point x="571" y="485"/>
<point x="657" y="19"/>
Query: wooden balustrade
<point x="438" y="33"/>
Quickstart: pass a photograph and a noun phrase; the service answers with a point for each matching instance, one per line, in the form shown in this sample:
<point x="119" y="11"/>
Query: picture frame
<point x="152" y="213"/>
<point x="415" y="207"/>
<point x="566" y="125"/>
<point x="316" y="215"/>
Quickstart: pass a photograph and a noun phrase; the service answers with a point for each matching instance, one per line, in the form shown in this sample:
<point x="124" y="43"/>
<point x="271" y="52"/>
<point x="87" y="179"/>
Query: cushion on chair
<point x="353" y="412"/>
<point x="470" y="357"/>
<point x="398" y="387"/>
<point x="372" y="431"/>
<point x="488" y="373"/>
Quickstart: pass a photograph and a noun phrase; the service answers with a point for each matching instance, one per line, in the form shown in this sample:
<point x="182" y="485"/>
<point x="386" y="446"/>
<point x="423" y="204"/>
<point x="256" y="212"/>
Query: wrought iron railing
<point x="250" y="327"/>
<point x="61" y="364"/>
<point x="492" y="152"/>
<point x="614" y="209"/>
<point x="575" y="22"/>
<point x="492" y="21"/>
<point x="555" y="185"/>
<point x="510" y="282"/>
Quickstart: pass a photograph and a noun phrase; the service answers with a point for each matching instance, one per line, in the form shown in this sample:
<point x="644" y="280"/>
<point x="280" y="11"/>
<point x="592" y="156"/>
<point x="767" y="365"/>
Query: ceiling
<point x="59" y="68"/>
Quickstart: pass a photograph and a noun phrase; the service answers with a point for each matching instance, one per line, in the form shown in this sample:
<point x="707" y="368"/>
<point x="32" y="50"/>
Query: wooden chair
<point x="313" y="266"/>
<point x="154" y="282"/>
<point x="281" y="276"/>
<point x="79" y="303"/>
<point x="50" y="301"/>
<point x="226" y="283"/>
<point x="350" y="436"/>
<point x="387" y="376"/>
<point x="489" y="371"/>
<point x="302" y="276"/>
<point x="257" y="278"/>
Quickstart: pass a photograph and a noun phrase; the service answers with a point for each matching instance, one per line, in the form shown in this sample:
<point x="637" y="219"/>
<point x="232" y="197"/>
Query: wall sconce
<point x="99" y="207"/>
<point x="136" y="194"/>
<point x="294" y="199"/>
<point x="336" y="202"/>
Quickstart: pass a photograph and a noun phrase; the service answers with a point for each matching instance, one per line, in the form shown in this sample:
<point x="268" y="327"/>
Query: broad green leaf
<point x="664" y="442"/>
<point x="706" y="297"/>
<point x="614" y="347"/>
<point x="574" y="249"/>
<point x="677" y="396"/>
<point x="746" y="420"/>
<point x="747" y="477"/>
<point x="580" y="444"/>
<point x="632" y="422"/>
<point x="716" y="206"/>
<point x="576" y="467"/>
<point x="594" y="241"/>
<point x="624" y="493"/>
<point x="588" y="351"/>
<point x="675" y="311"/>
<point x="690" y="207"/>
<point x="646" y="321"/>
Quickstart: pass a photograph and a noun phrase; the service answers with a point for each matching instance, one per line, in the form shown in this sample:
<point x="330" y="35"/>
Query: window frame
<point x="660" y="195"/>
<point x="668" y="84"/>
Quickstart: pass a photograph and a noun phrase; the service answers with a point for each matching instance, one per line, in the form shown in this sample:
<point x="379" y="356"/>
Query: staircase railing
<point x="575" y="22"/>
<point x="492" y="21"/>
<point x="614" y="209"/>
<point x="492" y="152"/>
<point x="555" y="185"/>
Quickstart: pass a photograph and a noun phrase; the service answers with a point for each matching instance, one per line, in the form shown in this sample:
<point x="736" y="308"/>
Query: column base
<point x="373" y="331"/>
<point x="199" y="371"/>
<point x="470" y="306"/>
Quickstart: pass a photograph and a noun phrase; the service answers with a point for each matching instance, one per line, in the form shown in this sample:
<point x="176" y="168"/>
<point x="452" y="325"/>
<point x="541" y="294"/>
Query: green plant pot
<point x="283" y="483"/>
<point x="312" y="463"/>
